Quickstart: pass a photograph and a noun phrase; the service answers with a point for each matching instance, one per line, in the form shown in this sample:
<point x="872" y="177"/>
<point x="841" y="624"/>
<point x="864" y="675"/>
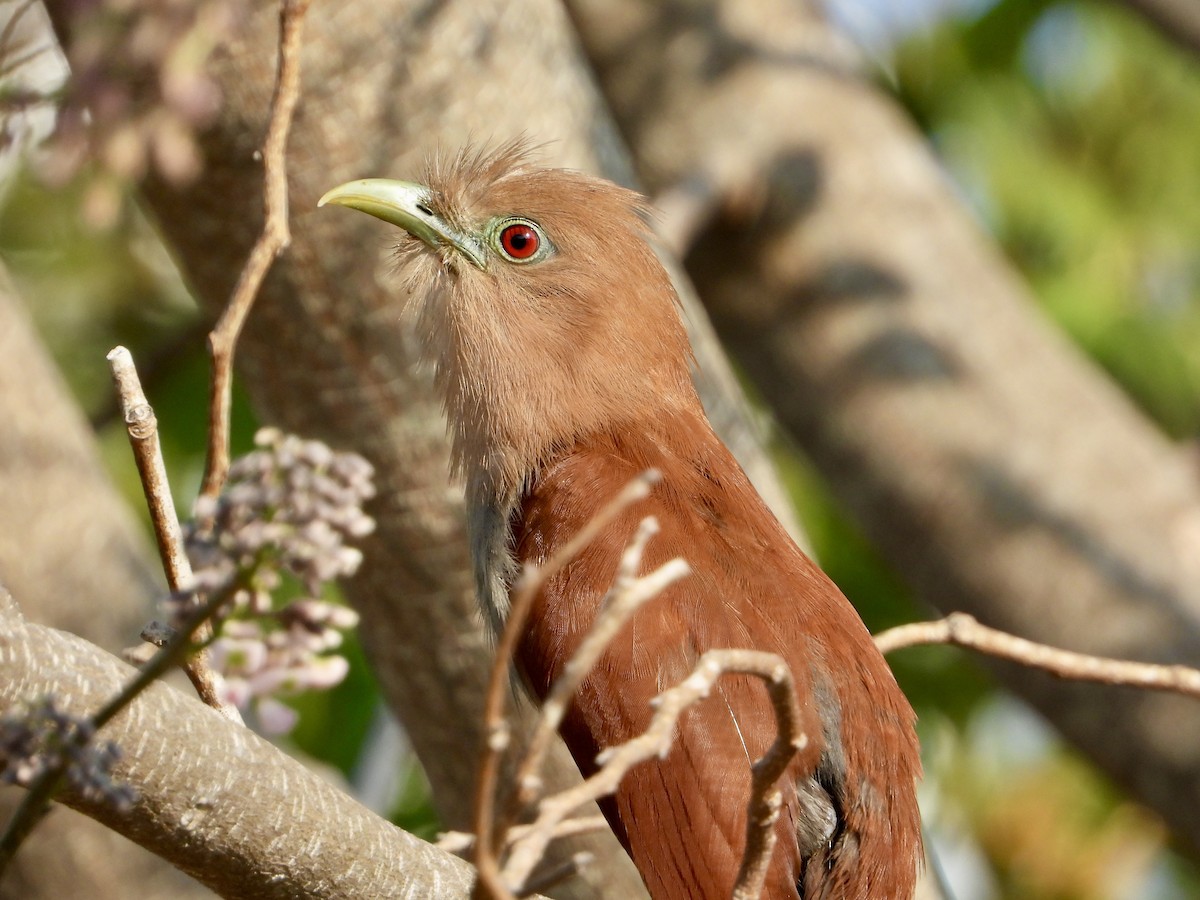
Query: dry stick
<point x="460" y="843"/>
<point x="626" y="596"/>
<point x="275" y="237"/>
<point x="495" y="724"/>
<point x="963" y="630"/>
<point x="142" y="426"/>
<point x="656" y="740"/>
<point x="766" y="800"/>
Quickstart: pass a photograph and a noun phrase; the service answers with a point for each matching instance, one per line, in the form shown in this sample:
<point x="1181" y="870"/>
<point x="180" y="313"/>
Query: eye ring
<point x="520" y="240"/>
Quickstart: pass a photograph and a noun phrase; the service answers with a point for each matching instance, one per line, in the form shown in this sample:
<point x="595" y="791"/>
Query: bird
<point x="565" y="370"/>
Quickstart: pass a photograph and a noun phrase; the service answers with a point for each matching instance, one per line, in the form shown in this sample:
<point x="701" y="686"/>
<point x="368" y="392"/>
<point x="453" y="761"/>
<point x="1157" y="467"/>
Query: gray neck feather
<point x="488" y="518"/>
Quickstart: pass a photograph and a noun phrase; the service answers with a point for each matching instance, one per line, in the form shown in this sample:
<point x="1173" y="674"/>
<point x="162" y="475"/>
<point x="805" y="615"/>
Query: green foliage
<point x="1073" y="129"/>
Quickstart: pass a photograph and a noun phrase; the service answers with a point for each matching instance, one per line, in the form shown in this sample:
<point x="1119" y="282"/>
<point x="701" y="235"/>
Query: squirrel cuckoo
<point x="565" y="371"/>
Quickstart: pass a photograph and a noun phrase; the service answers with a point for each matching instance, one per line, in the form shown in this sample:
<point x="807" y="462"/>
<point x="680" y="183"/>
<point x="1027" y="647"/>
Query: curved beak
<point x="406" y="205"/>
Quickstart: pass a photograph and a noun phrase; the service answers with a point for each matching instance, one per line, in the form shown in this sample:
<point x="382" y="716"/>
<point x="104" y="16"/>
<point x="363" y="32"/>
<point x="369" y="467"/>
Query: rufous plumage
<point x="566" y="371"/>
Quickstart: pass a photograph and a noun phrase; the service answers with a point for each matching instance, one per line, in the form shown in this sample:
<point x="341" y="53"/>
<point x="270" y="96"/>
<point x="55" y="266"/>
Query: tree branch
<point x="142" y="426"/>
<point x="496" y="723"/>
<point x="962" y="630"/>
<point x="217" y="821"/>
<point x="276" y="236"/>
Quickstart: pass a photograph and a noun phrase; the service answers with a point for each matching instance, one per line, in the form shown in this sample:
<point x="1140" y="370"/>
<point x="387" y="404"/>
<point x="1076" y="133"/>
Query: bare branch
<point x="616" y="761"/>
<point x="626" y="596"/>
<point x="964" y="630"/>
<point x="461" y="843"/>
<point x="142" y="426"/>
<point x="275" y="237"/>
<point x="765" y="799"/>
<point x="495" y="724"/>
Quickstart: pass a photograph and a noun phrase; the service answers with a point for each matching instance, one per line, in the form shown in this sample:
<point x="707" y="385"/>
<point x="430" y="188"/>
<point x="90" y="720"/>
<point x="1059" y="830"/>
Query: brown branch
<point x="629" y="594"/>
<point x="142" y="426"/>
<point x="495" y="724"/>
<point x="156" y="365"/>
<point x="626" y="596"/>
<point x="964" y="630"/>
<point x="656" y="740"/>
<point x="461" y="843"/>
<point x="275" y="237"/>
<point x="765" y="799"/>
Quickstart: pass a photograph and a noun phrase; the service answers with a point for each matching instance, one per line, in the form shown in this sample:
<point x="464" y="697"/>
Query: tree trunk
<point x="998" y="470"/>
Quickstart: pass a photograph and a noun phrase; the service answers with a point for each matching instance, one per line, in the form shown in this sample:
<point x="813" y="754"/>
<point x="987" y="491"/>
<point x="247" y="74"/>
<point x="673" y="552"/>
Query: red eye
<point x="520" y="241"/>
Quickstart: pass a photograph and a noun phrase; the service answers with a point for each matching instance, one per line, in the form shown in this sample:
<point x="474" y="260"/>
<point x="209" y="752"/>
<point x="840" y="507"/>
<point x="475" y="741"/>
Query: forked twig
<point x="496" y="726"/>
<point x="615" y="763"/>
<point x="964" y="630"/>
<point x="626" y="596"/>
<point x="275" y="237"/>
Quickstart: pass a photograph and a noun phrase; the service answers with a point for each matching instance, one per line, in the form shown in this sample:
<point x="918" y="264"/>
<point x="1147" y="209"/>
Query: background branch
<point x="963" y="630"/>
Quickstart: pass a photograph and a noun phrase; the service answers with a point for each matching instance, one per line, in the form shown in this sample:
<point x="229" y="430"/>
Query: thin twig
<point x="168" y="656"/>
<point x="154" y="367"/>
<point x="496" y="726"/>
<point x="275" y="238"/>
<point x="766" y="799"/>
<point x="462" y="843"/>
<point x="626" y="596"/>
<point x="34" y="807"/>
<point x="142" y="426"/>
<point x="615" y="762"/>
<point x="963" y="630"/>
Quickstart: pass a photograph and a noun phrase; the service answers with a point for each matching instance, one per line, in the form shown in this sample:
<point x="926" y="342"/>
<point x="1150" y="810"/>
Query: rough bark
<point x="215" y="799"/>
<point x="67" y="537"/>
<point x="998" y="470"/>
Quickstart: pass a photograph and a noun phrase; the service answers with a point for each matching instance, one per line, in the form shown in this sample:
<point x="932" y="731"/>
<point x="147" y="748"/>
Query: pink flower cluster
<point x="288" y="510"/>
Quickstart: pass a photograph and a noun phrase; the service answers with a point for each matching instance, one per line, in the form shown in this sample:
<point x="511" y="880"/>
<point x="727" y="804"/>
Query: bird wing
<point x="682" y="817"/>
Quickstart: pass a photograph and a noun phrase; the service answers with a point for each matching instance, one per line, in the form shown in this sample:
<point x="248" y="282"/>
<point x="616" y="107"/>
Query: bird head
<point x="539" y="300"/>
